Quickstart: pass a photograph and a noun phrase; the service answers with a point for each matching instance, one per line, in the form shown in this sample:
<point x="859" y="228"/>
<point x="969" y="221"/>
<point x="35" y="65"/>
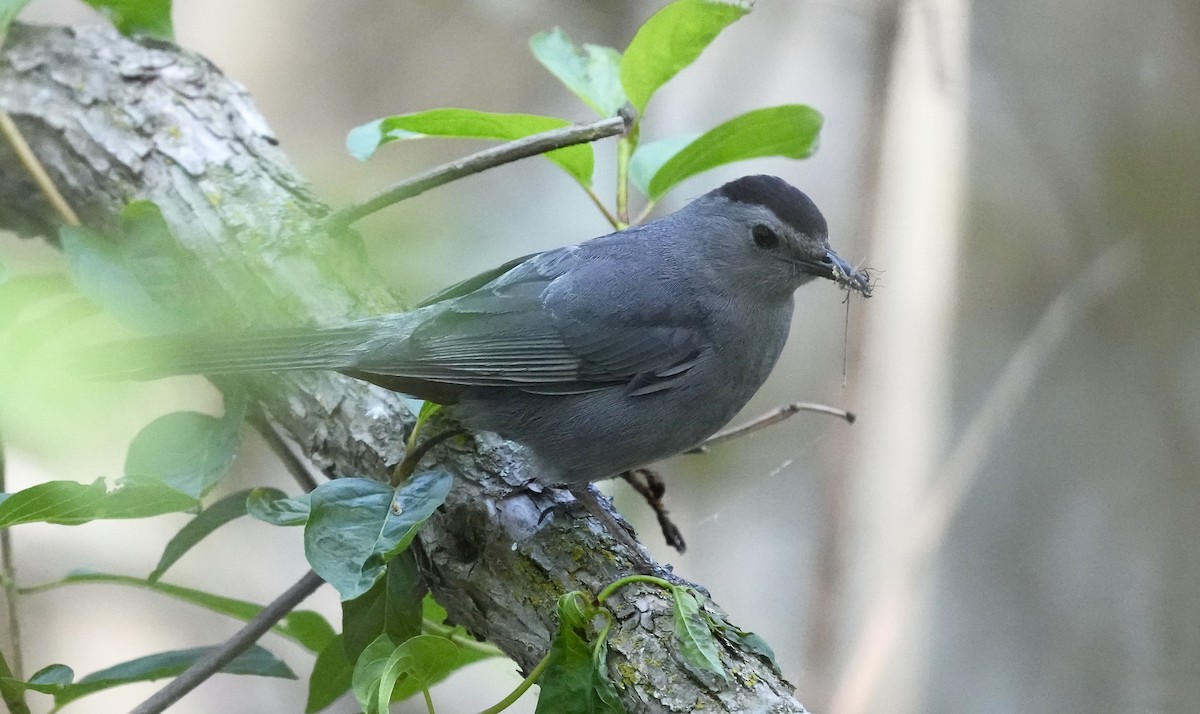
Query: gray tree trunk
<point x="116" y="120"/>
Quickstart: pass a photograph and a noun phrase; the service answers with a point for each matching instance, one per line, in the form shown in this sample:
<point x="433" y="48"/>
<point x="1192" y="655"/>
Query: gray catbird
<point x="599" y="357"/>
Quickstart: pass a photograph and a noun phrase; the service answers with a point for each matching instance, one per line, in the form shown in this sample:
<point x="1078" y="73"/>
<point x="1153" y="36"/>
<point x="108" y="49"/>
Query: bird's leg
<point x="652" y="489"/>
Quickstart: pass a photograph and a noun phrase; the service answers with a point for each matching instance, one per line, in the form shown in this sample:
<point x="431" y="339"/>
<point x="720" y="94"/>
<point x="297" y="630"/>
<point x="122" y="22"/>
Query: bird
<point x="599" y="357"/>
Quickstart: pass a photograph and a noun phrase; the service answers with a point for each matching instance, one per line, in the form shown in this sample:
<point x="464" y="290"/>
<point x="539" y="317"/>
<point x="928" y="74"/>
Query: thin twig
<point x="772" y="417"/>
<point x="881" y="633"/>
<point x="296" y="466"/>
<point x="232" y="647"/>
<point x="478" y="162"/>
<point x="40" y="177"/>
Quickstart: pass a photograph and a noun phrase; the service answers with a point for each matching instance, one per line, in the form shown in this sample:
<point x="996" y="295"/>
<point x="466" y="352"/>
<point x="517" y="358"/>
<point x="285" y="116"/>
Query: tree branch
<point x="482" y="161"/>
<point x="95" y="108"/>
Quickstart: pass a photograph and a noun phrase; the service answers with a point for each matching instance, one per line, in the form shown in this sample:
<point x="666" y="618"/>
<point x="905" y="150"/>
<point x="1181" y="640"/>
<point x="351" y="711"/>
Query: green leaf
<point x="368" y="670"/>
<point x="47" y="680"/>
<point x="142" y="275"/>
<point x="275" y="507"/>
<point x="393" y="606"/>
<point x="187" y="451"/>
<point x="648" y="158"/>
<point x="99" y="271"/>
<point x="696" y="641"/>
<point x="70" y="503"/>
<point x="23" y="293"/>
<point x="669" y="41"/>
<point x="8" y="11"/>
<point x="578" y="160"/>
<point x="743" y="638"/>
<point x="593" y="73"/>
<point x="304" y="627"/>
<point x="138" y="17"/>
<point x="218" y="514"/>
<point x="356" y="525"/>
<point x="331" y="676"/>
<point x="255" y="661"/>
<point x="576" y="679"/>
<point x="417" y="664"/>
<point x="790" y="131"/>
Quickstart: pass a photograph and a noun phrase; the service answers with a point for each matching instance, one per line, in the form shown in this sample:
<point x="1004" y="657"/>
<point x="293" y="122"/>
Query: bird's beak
<point x="833" y="267"/>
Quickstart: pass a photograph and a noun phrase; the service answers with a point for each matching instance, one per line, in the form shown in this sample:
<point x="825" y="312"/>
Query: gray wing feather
<point x="528" y="330"/>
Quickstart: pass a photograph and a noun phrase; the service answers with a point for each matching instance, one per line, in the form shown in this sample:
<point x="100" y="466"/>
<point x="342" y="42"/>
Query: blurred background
<point x="1012" y="525"/>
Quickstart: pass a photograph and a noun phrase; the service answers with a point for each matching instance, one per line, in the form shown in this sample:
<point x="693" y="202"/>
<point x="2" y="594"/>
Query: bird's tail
<point x="259" y="351"/>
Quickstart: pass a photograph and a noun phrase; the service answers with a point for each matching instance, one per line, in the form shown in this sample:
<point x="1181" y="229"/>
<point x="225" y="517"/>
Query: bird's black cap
<point x="785" y="200"/>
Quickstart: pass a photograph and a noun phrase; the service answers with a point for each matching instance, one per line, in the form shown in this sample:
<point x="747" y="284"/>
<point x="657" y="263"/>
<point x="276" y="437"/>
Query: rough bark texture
<point x="116" y="120"/>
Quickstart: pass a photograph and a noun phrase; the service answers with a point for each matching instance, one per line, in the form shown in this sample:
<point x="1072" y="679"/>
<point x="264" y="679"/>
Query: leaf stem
<point x="209" y="665"/>
<point x="40" y="177"/>
<point x="428" y="700"/>
<point x="14" y="697"/>
<point x="408" y="465"/>
<point x="629" y="579"/>
<point x="432" y="628"/>
<point x="608" y="216"/>
<point x="624" y="151"/>
<point x="645" y="212"/>
<point x="478" y="162"/>
<point x="523" y="687"/>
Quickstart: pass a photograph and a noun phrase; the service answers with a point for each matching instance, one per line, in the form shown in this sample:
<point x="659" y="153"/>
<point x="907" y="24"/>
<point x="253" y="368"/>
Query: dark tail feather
<point x="265" y="351"/>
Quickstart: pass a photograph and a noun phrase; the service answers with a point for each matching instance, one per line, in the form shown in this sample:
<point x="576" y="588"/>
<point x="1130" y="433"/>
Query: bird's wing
<point x="546" y="326"/>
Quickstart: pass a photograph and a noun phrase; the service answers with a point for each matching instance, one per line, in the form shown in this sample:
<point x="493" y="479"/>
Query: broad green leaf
<point x="138" y="17"/>
<point x="578" y="160"/>
<point x="142" y="275"/>
<point x="304" y="627"/>
<point x="592" y="72"/>
<point x="743" y="638"/>
<point x="8" y="11"/>
<point x="275" y="507"/>
<point x="393" y="606"/>
<point x="255" y="661"/>
<point x="356" y="525"/>
<point x="648" y="158"/>
<point x="368" y="669"/>
<point x="428" y="409"/>
<point x="330" y="678"/>
<point x="696" y="641"/>
<point x="790" y="130"/>
<point x="187" y="451"/>
<point x="70" y="503"/>
<point x="22" y="293"/>
<point x="670" y="40"/>
<point x="99" y="271"/>
<point x="218" y="514"/>
<point x="47" y="680"/>
<point x="417" y="664"/>
<point x="576" y="679"/>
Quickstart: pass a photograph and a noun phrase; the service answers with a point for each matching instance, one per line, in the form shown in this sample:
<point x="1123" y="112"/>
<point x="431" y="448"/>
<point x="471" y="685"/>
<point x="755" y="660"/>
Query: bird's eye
<point x="764" y="237"/>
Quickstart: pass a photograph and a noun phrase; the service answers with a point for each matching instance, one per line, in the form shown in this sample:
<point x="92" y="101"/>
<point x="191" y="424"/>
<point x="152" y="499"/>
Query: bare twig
<point x="231" y="648"/>
<point x="884" y="621"/>
<point x="296" y="466"/>
<point x="478" y="162"/>
<point x="772" y="417"/>
<point x="30" y="161"/>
